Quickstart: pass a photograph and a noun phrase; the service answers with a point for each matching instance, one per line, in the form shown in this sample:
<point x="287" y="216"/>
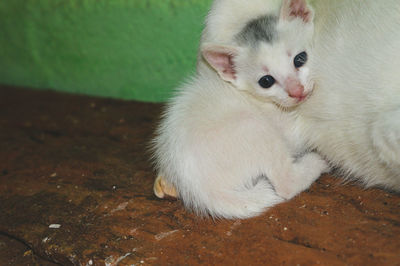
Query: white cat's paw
<point x="386" y="137"/>
<point x="306" y="170"/>
<point x="315" y="161"/>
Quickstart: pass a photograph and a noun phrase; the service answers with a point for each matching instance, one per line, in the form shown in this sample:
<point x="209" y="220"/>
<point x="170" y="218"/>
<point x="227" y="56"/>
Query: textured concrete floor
<point x="76" y="189"/>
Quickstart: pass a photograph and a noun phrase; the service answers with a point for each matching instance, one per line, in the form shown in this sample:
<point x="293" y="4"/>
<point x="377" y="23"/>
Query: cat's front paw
<point x="163" y="188"/>
<point x="306" y="170"/>
<point x="315" y="161"/>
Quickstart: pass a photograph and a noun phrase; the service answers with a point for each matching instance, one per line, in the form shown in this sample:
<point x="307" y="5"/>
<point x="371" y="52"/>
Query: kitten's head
<point x="269" y="56"/>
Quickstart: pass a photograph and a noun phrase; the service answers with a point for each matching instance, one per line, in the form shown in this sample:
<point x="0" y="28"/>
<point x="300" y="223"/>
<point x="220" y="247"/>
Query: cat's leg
<point x="162" y="188"/>
<point x="298" y="175"/>
<point x="386" y="137"/>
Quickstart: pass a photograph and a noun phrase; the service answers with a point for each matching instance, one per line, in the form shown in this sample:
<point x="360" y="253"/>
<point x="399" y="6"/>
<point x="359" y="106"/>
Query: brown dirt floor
<point x="82" y="162"/>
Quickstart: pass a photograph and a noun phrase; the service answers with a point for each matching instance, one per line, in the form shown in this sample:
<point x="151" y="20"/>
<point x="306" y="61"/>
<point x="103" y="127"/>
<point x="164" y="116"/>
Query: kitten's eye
<point x="300" y="59"/>
<point x="266" y="81"/>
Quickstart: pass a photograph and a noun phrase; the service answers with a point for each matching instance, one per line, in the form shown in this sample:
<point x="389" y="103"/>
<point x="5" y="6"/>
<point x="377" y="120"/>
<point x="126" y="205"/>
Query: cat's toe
<point x="163" y="189"/>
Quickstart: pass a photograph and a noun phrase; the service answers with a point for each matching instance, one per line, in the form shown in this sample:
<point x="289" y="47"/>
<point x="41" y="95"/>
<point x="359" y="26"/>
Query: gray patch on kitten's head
<point x="259" y="29"/>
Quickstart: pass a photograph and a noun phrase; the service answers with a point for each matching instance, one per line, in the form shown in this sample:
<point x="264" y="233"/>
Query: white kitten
<point x="353" y="117"/>
<point x="225" y="143"/>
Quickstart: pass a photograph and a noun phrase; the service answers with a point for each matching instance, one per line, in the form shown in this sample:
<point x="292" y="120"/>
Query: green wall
<point x="131" y="49"/>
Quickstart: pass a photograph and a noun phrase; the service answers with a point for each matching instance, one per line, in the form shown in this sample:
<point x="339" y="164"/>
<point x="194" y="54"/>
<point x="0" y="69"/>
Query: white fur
<point x="214" y="142"/>
<point x="353" y="117"/>
<point x="228" y="149"/>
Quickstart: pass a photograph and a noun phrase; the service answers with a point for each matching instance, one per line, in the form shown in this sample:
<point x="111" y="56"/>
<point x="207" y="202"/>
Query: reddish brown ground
<point x="82" y="163"/>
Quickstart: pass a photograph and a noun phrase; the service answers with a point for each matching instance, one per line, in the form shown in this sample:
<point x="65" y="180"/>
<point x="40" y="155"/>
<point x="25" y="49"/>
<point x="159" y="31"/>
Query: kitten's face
<point x="277" y="71"/>
<point x="269" y="58"/>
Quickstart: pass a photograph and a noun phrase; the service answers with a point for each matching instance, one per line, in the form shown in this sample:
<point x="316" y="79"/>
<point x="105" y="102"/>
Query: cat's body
<point x="353" y="116"/>
<point x="225" y="143"/>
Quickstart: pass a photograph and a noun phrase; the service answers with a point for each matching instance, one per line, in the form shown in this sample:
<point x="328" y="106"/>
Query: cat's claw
<point x="163" y="189"/>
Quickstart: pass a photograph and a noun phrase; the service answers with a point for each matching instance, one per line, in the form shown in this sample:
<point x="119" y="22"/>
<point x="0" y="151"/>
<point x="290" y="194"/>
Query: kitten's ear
<point x="221" y="57"/>
<point x="292" y="9"/>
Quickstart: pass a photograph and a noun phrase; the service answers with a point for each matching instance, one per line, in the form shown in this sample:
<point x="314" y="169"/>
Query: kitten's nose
<point x="294" y="88"/>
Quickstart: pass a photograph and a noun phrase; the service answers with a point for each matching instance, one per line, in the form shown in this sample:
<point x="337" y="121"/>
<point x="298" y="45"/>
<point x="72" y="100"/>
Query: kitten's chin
<point x="286" y="105"/>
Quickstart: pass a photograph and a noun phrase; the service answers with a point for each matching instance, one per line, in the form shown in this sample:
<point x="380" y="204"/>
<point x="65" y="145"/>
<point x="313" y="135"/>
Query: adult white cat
<point x="353" y="116"/>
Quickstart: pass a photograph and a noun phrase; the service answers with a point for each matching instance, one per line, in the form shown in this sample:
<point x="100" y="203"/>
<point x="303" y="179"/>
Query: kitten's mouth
<point x="297" y="100"/>
<point x="302" y="98"/>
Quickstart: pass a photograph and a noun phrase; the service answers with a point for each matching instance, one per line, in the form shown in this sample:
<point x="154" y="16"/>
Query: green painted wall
<point x="131" y="49"/>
